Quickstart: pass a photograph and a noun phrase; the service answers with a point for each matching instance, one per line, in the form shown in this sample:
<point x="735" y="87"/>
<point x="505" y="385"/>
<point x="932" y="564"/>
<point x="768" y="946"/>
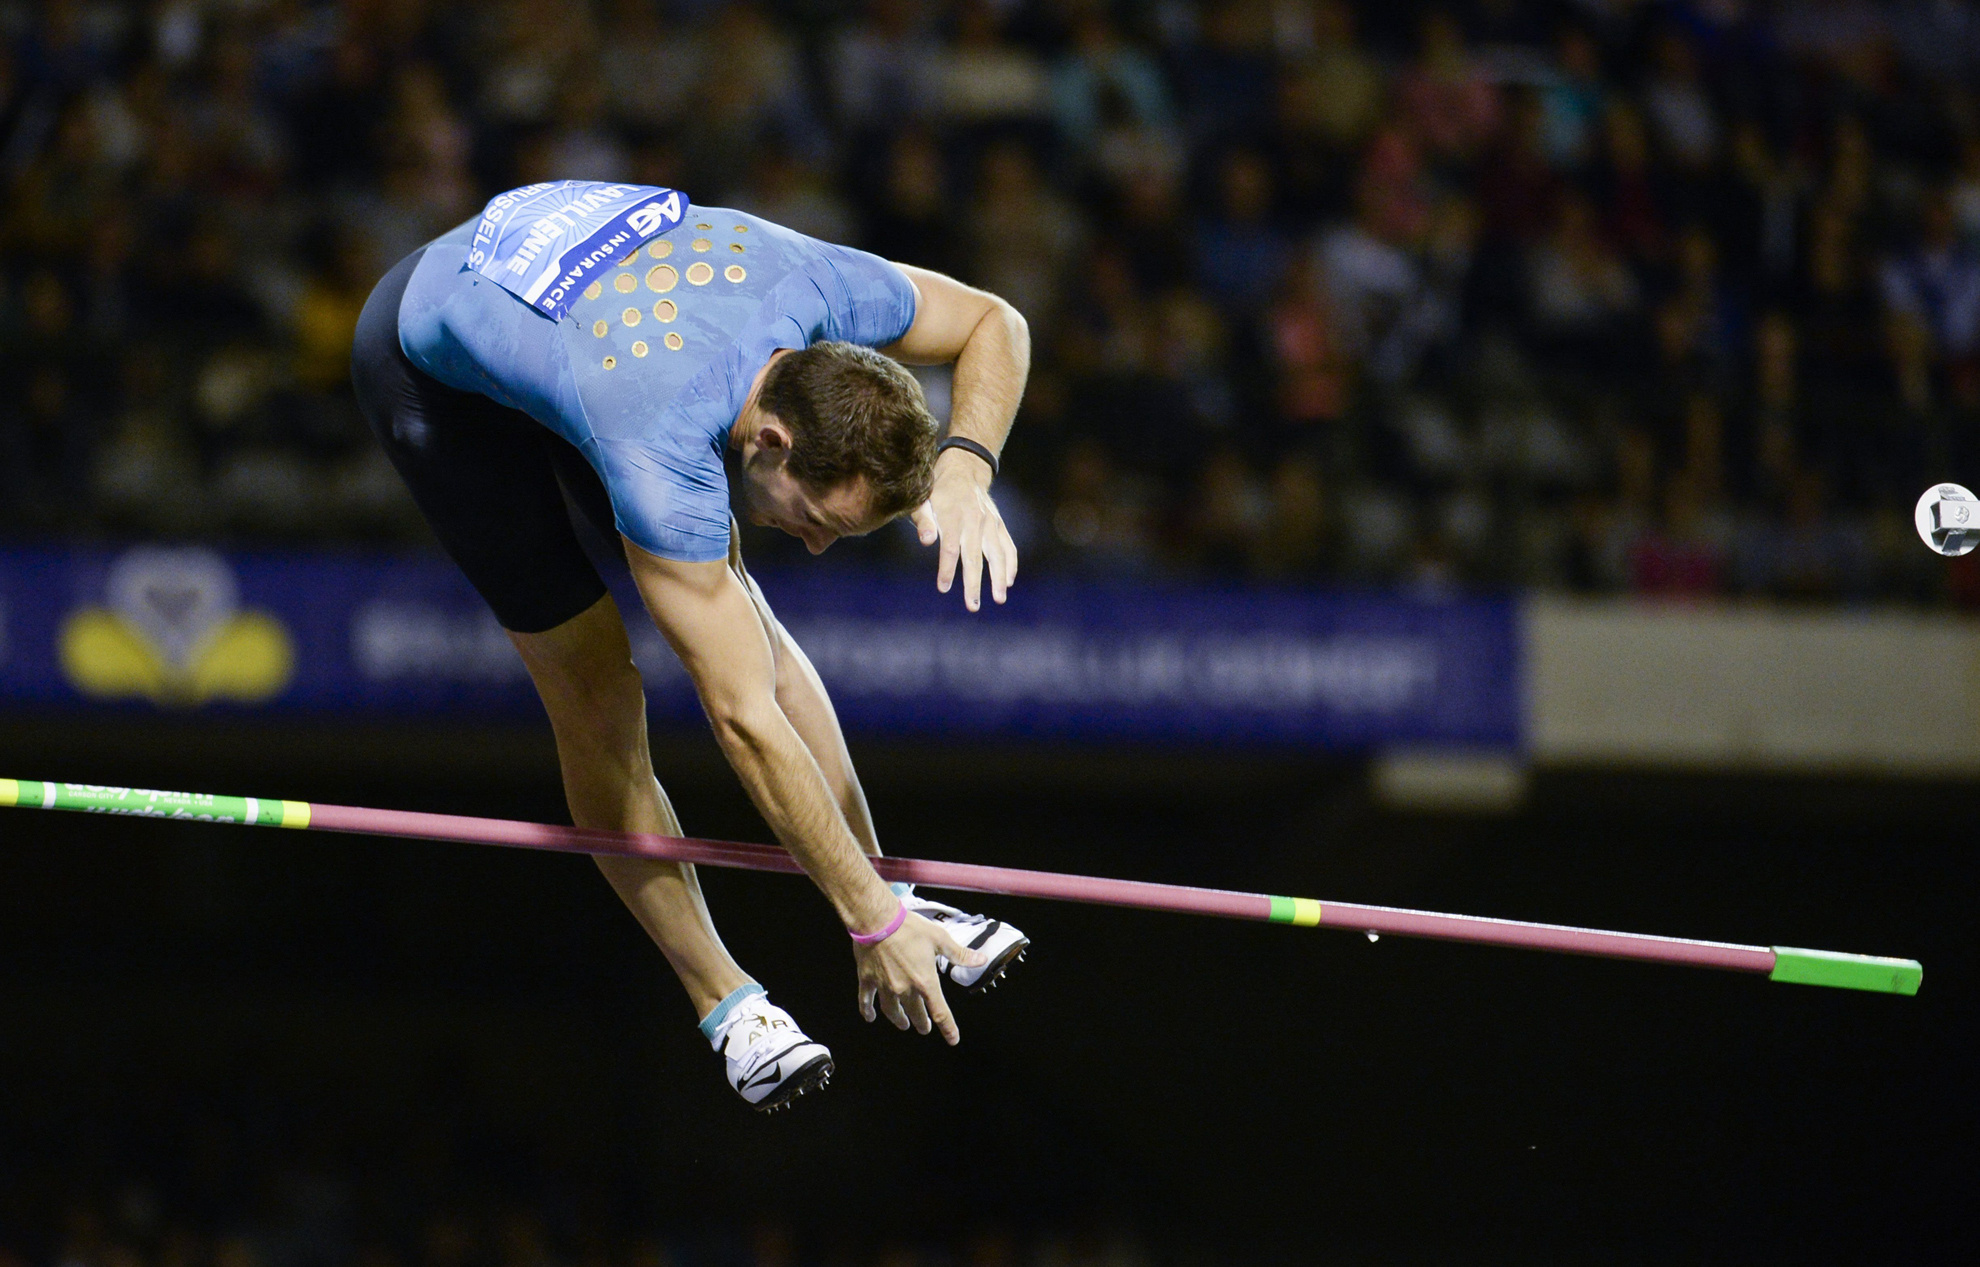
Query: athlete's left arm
<point x="801" y="694"/>
<point x="991" y="346"/>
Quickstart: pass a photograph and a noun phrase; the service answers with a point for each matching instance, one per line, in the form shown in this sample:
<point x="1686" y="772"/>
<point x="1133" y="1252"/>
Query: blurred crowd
<point x="252" y="1177"/>
<point x="1678" y="298"/>
<point x="304" y="1225"/>
<point x="251" y="1162"/>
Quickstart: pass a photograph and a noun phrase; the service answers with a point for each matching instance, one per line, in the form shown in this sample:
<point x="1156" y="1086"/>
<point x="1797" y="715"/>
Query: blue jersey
<point x="648" y="365"/>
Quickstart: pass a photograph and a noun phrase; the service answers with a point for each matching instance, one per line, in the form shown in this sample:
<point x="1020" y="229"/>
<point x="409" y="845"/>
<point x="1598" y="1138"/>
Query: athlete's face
<point x="773" y="499"/>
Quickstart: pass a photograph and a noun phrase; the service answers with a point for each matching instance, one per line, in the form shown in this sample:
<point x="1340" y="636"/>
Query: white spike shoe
<point x="770" y="1061"/>
<point x="1002" y="942"/>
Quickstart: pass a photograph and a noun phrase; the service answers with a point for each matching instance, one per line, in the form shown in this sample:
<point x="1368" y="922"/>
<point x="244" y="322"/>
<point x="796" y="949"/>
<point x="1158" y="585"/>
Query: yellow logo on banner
<point x="172" y="631"/>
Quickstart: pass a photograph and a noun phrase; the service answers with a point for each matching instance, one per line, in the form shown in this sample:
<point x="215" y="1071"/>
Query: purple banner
<point x="190" y="629"/>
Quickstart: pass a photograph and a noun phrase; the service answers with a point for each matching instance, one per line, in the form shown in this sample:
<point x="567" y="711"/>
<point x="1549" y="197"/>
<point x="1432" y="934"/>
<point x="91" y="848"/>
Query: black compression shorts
<point x="501" y="490"/>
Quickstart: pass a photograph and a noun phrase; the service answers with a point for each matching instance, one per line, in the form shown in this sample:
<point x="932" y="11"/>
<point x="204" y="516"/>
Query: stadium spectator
<point x="1109" y="99"/>
<point x="1311" y="367"/>
<point x="1573" y="101"/>
<point x="1446" y="97"/>
<point x="1296" y="537"/>
<point x="1240" y="253"/>
<point x="1932" y="292"/>
<point x="1338" y="91"/>
<point x="1226" y="68"/>
<point x="882" y="65"/>
<point x="987" y="78"/>
<point x="1022" y="234"/>
<point x="913" y="216"/>
<point x="1582" y="295"/>
<point x="1678" y="105"/>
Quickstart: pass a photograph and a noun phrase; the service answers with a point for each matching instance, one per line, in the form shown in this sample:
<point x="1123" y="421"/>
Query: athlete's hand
<point x="897" y="977"/>
<point x="960" y="514"/>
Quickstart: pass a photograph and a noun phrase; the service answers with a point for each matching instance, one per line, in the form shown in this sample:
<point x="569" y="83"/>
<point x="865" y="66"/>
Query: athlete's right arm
<point x="709" y="619"/>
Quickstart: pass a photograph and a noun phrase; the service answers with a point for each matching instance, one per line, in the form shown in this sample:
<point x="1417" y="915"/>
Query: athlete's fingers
<point x="945" y="570"/>
<point x="917" y="1013"/>
<point x="890" y="1006"/>
<point x="938" y="1011"/>
<point x="993" y="561"/>
<point x="997" y="550"/>
<point x="972" y="564"/>
<point x="866" y="992"/>
<point x="925" y="524"/>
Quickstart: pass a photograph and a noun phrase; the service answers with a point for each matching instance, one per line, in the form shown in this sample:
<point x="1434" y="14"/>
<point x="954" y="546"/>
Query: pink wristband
<point x="893" y="926"/>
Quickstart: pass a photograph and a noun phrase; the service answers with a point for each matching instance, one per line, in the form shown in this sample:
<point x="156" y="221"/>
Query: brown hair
<point x="854" y="414"/>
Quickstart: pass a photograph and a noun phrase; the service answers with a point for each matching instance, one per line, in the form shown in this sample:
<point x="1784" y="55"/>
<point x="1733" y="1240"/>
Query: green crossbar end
<point x="1847" y="972"/>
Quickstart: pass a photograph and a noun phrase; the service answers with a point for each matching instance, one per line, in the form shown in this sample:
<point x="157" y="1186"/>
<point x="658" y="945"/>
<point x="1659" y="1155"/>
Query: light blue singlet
<point x="647" y="370"/>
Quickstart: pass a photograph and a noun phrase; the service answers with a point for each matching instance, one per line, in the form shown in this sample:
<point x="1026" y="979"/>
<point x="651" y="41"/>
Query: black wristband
<point x="969" y="445"/>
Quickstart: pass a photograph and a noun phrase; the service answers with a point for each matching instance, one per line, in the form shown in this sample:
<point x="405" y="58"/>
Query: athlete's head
<point x="840" y="441"/>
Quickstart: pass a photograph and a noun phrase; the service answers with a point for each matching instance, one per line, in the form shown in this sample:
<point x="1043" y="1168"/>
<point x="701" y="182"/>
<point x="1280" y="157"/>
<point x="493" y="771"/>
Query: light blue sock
<point x="902" y="891"/>
<point x="711" y="1024"/>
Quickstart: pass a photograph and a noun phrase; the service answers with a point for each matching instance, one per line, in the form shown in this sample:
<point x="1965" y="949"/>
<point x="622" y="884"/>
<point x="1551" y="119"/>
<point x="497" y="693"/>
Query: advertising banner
<point x="188" y="628"/>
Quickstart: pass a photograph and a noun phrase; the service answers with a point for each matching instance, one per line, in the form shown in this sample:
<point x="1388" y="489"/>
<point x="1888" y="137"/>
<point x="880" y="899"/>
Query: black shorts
<point x="509" y="499"/>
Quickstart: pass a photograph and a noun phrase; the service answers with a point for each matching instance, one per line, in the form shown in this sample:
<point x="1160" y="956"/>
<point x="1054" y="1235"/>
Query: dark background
<point x="1663" y="298"/>
<point x="364" y="1039"/>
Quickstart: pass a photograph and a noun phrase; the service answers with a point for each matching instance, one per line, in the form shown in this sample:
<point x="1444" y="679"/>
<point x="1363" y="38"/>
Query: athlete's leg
<point x="584" y="672"/>
<point x="487" y="479"/>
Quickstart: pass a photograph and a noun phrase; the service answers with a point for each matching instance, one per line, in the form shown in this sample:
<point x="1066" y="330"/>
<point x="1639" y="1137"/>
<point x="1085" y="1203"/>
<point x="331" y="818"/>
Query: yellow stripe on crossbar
<point x="1306" y="912"/>
<point x="295" y="813"/>
<point x="10" y="791"/>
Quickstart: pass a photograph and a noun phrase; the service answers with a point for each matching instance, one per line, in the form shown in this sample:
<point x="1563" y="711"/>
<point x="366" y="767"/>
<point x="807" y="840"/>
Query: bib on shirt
<point x="543" y="243"/>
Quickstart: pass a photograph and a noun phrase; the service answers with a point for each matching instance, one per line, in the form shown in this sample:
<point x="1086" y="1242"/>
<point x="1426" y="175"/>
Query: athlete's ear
<point x="773" y="437"/>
